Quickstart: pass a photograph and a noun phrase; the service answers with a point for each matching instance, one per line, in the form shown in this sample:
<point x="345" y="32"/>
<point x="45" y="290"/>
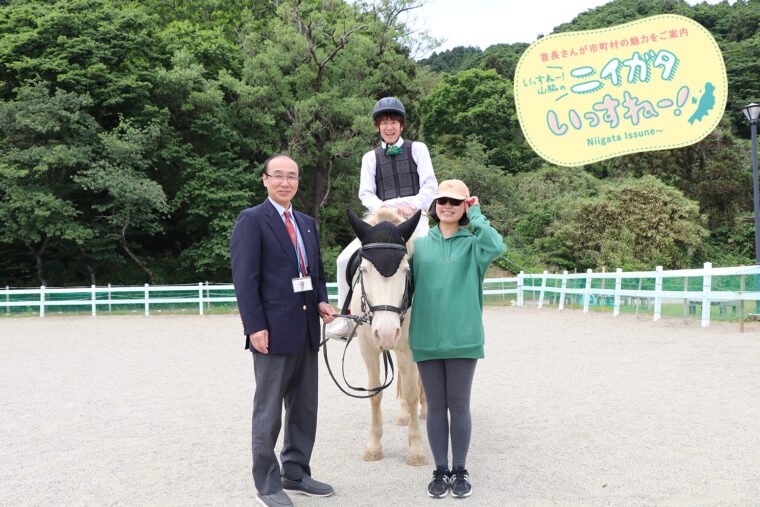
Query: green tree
<point x="503" y="58"/>
<point x="126" y="198"/>
<point x="635" y="225"/>
<point x="545" y="198"/>
<point x="480" y="104"/>
<point x="45" y="139"/>
<point x="453" y="60"/>
<point x="83" y="46"/>
<point x="215" y="131"/>
<point x="715" y="171"/>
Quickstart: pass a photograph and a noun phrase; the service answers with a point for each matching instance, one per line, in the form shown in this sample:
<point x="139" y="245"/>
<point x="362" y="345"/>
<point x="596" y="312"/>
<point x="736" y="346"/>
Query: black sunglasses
<point x="448" y="200"/>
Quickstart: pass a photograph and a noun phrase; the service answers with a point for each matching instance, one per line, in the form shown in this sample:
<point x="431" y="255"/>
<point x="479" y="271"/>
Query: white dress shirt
<point x="428" y="183"/>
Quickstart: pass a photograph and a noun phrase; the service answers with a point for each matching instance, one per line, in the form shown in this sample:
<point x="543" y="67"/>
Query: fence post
<point x="587" y="291"/>
<point x="7" y="300"/>
<point x="706" y="289"/>
<point x="42" y="300"/>
<point x="200" y="297"/>
<point x="208" y="297"/>
<point x="109" y="298"/>
<point x="562" y="291"/>
<point x="658" y="293"/>
<point x="618" y="285"/>
<point x="520" y="282"/>
<point x="686" y="300"/>
<point x="741" y="305"/>
<point x="147" y="300"/>
<point x="603" y="297"/>
<point x="92" y="288"/>
<point x="543" y="287"/>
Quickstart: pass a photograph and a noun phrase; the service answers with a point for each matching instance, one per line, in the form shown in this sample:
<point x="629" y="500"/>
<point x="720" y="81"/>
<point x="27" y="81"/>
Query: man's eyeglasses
<point x="448" y="200"/>
<point x="279" y="177"/>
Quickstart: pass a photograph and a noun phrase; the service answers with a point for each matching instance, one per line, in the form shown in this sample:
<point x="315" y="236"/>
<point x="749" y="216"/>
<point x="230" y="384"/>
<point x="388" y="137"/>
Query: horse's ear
<point x="407" y="228"/>
<point x="359" y="226"/>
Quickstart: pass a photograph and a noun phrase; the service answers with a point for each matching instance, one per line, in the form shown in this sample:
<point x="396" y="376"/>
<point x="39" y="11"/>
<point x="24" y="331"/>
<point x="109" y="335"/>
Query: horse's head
<point x="384" y="271"/>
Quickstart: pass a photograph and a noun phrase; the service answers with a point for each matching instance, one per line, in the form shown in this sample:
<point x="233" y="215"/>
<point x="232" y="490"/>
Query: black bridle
<point x="368" y="311"/>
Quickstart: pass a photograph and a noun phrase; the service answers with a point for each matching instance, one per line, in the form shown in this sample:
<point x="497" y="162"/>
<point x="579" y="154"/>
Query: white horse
<point x="388" y="330"/>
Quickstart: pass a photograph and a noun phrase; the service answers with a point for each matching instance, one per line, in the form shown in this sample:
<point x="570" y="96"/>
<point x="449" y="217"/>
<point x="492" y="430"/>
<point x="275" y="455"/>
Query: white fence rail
<point x="147" y="296"/>
<point x="586" y="289"/>
<point x="704" y="294"/>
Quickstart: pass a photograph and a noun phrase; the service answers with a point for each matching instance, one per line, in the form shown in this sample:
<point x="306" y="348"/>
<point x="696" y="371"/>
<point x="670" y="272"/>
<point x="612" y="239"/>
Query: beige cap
<point x="455" y="189"/>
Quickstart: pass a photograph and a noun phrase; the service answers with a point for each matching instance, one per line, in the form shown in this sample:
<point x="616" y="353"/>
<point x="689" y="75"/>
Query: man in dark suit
<point x="281" y="293"/>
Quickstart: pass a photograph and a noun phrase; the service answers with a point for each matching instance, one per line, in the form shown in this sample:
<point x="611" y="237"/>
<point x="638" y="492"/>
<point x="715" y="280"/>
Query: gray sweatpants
<point x="448" y="384"/>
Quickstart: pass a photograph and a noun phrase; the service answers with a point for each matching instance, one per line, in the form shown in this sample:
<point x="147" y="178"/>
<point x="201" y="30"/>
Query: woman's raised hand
<point x="469" y="202"/>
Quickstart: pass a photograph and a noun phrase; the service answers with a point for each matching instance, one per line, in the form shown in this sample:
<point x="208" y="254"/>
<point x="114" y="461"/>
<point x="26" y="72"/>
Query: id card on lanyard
<point x="302" y="284"/>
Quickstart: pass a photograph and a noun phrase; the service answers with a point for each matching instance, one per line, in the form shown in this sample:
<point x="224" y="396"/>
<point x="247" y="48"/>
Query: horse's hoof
<point x="417" y="460"/>
<point x="402" y="421"/>
<point x="373" y="455"/>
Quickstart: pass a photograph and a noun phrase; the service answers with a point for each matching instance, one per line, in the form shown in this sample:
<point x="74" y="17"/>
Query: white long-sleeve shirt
<point x="428" y="183"/>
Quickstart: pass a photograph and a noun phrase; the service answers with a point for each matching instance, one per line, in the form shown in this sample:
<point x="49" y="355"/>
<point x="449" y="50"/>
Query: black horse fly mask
<point x="383" y="244"/>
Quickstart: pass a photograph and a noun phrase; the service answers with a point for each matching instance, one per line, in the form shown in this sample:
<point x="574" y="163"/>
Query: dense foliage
<point x="133" y="132"/>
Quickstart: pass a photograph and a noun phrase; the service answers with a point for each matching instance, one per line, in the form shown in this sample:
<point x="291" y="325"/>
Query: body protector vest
<point x="396" y="175"/>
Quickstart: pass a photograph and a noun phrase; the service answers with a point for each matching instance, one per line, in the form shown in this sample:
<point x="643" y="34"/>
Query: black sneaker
<point x="460" y="483"/>
<point x="439" y="486"/>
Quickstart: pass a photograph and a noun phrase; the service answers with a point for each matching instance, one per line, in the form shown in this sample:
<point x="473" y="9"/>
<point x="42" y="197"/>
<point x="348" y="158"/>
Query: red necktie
<point x="294" y="239"/>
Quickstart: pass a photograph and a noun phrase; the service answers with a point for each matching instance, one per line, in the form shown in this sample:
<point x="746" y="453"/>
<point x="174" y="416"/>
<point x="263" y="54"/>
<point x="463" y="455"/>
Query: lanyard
<point x="298" y="255"/>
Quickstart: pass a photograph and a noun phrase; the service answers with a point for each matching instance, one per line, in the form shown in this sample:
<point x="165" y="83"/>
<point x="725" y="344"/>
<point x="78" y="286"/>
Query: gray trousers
<point x="289" y="379"/>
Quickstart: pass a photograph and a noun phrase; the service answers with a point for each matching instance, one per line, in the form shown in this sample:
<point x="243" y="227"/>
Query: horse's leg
<point x="410" y="378"/>
<point x="423" y="398"/>
<point x="402" y="418"/>
<point x="373" y="451"/>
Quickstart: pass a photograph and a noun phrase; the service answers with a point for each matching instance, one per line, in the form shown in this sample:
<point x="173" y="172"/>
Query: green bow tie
<point x="393" y="150"/>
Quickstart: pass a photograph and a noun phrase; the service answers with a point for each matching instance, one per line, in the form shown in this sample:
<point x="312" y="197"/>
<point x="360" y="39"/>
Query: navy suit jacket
<point x="263" y="266"/>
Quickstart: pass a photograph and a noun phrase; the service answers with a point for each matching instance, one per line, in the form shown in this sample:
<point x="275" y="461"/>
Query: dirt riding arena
<point x="568" y="409"/>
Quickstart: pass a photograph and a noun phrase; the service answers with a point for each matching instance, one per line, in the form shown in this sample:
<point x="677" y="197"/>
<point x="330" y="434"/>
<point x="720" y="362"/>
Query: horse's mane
<point x="383" y="215"/>
<point x="392" y="216"/>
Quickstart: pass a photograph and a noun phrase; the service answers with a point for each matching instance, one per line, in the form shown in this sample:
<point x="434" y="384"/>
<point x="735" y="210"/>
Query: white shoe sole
<point x="445" y="493"/>
<point x="261" y="501"/>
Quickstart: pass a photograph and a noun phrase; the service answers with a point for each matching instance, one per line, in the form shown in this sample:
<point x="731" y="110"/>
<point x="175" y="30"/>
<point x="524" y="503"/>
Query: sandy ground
<point x="567" y="409"/>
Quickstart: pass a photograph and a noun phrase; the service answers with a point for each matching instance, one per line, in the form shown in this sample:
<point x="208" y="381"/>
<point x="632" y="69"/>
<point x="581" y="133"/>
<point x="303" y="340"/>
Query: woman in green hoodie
<point x="446" y="331"/>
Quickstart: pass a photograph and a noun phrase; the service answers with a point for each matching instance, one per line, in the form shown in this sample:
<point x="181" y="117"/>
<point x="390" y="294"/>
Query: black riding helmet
<point x="388" y="105"/>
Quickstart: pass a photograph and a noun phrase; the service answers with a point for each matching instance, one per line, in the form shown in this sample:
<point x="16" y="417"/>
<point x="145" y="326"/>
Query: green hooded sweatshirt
<point x="448" y="273"/>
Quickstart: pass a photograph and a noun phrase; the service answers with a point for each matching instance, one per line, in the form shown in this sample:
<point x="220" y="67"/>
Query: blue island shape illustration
<point x="706" y="102"/>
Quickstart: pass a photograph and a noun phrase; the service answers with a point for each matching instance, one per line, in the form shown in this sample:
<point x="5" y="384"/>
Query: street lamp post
<point x="752" y="113"/>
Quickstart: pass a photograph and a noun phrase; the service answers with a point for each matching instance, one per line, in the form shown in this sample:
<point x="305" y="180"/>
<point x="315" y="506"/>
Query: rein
<point x="368" y="310"/>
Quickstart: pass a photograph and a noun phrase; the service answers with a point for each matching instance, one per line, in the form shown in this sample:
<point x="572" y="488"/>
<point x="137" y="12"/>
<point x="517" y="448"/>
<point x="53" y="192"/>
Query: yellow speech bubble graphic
<point x="653" y="84"/>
